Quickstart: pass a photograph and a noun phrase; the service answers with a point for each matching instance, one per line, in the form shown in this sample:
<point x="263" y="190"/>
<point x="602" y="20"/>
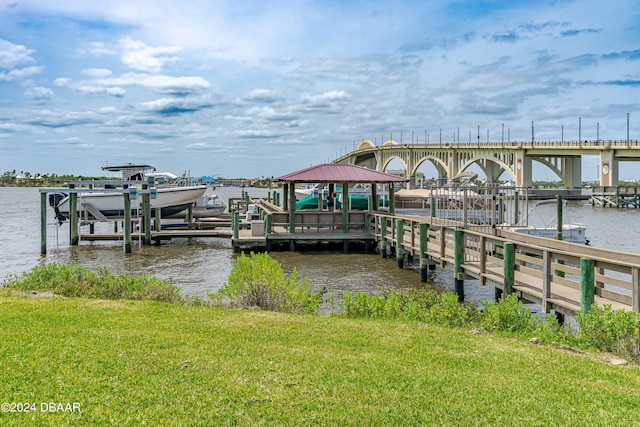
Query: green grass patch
<point x="151" y="363"/>
<point x="77" y="281"/>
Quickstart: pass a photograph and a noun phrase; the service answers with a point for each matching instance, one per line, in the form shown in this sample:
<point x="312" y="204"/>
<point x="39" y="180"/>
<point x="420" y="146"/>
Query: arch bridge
<point x="494" y="159"/>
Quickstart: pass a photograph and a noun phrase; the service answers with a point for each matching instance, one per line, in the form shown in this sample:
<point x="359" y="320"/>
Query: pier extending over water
<point x="560" y="276"/>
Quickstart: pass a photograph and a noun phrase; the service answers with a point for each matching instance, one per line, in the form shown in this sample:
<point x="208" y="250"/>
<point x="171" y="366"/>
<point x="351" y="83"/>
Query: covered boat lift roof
<point x="340" y="173"/>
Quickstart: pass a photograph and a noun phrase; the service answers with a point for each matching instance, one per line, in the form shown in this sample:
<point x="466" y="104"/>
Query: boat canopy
<point x="130" y="172"/>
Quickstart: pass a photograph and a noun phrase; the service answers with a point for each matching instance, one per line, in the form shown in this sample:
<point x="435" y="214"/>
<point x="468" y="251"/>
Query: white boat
<point x="305" y="190"/>
<point x="572" y="232"/>
<point x="106" y="204"/>
<point x="204" y="207"/>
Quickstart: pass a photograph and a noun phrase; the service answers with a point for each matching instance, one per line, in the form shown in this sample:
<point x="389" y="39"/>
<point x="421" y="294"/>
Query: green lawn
<point x="150" y="363"/>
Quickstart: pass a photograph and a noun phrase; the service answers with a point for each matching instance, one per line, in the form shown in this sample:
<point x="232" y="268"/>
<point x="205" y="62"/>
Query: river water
<point x="201" y="265"/>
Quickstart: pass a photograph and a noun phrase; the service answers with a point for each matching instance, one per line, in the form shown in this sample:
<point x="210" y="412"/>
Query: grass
<point x="153" y="363"/>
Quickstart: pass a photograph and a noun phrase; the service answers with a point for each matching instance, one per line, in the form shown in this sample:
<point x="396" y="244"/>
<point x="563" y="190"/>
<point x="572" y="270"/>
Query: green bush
<point x="391" y="304"/>
<point x="508" y="315"/>
<point x="260" y="281"/>
<point x="422" y="305"/>
<point x="610" y="330"/>
<point x="76" y="281"/>
<point x="450" y="312"/>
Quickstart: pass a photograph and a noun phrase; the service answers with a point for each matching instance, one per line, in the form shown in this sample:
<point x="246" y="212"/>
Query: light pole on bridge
<point x="628" y="141"/>
<point x="579" y="129"/>
<point x="532" y="133"/>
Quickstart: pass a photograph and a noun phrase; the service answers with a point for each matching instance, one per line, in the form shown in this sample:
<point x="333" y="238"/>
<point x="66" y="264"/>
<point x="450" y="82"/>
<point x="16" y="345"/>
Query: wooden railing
<point x="564" y="276"/>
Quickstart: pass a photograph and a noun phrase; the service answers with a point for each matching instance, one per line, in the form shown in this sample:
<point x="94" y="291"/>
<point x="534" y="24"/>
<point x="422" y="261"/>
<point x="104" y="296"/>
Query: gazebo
<point x="343" y="174"/>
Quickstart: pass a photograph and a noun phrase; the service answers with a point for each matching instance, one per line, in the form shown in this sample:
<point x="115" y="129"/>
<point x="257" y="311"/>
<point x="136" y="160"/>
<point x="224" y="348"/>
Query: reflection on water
<point x="199" y="266"/>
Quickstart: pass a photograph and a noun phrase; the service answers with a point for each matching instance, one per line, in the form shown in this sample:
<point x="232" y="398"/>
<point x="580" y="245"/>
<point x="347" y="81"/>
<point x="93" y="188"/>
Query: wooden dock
<point x="560" y="276"/>
<point x="623" y="196"/>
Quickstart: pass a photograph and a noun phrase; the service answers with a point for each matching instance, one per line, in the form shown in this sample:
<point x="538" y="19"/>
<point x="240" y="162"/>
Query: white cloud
<point x="141" y="57"/>
<point x="39" y="94"/>
<point x="13" y="55"/>
<point x="97" y="72"/>
<point x="20" y="74"/>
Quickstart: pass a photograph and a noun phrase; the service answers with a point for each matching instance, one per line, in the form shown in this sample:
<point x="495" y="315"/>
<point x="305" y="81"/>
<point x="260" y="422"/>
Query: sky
<point x="259" y="88"/>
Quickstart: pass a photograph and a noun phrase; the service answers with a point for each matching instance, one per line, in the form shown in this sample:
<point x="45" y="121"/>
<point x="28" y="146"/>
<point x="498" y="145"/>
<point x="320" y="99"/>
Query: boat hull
<point x="574" y="233"/>
<point x="170" y="201"/>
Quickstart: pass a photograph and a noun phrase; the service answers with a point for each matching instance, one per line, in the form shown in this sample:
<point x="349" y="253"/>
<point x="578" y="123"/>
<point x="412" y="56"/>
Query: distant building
<point x="234" y="182"/>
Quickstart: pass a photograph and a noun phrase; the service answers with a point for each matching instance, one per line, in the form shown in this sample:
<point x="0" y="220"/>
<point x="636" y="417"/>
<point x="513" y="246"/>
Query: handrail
<point x="544" y="270"/>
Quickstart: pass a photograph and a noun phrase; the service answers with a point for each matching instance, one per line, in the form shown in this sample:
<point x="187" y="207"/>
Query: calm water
<point x="199" y="266"/>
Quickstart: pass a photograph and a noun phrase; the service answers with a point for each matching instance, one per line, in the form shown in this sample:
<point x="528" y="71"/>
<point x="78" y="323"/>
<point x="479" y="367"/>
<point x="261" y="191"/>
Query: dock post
<point x="433" y="207"/>
<point x="392" y="199"/>
<point x="424" y="239"/>
<point x="236" y="225"/>
<point x="458" y="260"/>
<point x="126" y="225"/>
<point x="268" y="228"/>
<point x="292" y="208"/>
<point x="559" y="219"/>
<point x="43" y="223"/>
<point x="73" y="217"/>
<point x="516" y="208"/>
<point x="158" y="220"/>
<point x="345" y="207"/>
<point x="190" y="216"/>
<point x="146" y="209"/>
<point x="367" y="222"/>
<point x="268" y="224"/>
<point x="383" y="237"/>
<point x="399" y="242"/>
<point x="509" y="266"/>
<point x="587" y="284"/>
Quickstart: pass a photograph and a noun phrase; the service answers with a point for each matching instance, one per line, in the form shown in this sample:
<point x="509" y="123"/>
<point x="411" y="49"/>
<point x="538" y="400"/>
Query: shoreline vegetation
<point x="131" y="350"/>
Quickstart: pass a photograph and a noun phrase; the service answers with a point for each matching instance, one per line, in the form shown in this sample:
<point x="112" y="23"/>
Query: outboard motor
<point x="55" y="199"/>
<point x="54" y="202"/>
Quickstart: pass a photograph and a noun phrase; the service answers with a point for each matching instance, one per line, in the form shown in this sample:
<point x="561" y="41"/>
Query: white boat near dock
<point x="106" y="204"/>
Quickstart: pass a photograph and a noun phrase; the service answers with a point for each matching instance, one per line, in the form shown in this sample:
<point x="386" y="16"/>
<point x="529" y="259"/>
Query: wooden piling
<point x="458" y="260"/>
<point x="158" y="220"/>
<point x="383" y="237"/>
<point x="432" y="207"/>
<point x="559" y="219"/>
<point x="146" y="209"/>
<point x="399" y="241"/>
<point x="292" y="208"/>
<point x="73" y="218"/>
<point x="43" y="223"/>
<point x="126" y="225"/>
<point x="423" y="229"/>
<point x="236" y="225"/>
<point x="587" y="284"/>
<point x="345" y="207"/>
<point x="190" y="217"/>
<point x="509" y="266"/>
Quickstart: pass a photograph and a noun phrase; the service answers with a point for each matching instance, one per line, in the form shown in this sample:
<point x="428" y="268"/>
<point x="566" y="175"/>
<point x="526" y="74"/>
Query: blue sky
<point x="263" y="88"/>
